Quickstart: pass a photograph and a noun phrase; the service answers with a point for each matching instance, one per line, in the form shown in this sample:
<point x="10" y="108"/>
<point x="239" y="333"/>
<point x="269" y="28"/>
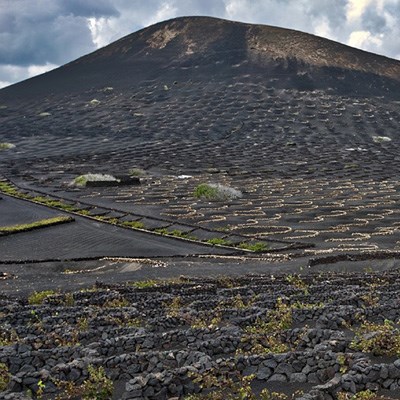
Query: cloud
<point x="54" y="31"/>
<point x="355" y="9"/>
<point x="12" y="73"/>
<point x="372" y="25"/>
<point x="361" y="38"/>
<point x="41" y="33"/>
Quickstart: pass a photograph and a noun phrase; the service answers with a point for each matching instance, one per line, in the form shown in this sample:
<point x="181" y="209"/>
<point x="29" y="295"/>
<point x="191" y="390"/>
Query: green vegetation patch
<point x="5" y="377"/>
<point x="133" y="224"/>
<point x="150" y="283"/>
<point x="35" y="225"/>
<point x="8" y="337"/>
<point x="363" y="395"/>
<point x="96" y="387"/>
<point x="6" y="146"/>
<point x="216" y="192"/>
<point x="82" y="180"/>
<point x="381" y="139"/>
<point x="256" y="247"/>
<point x="175" y="232"/>
<point x="54" y="203"/>
<point x="378" y="339"/>
<point x="137" y="172"/>
<point x="278" y="319"/>
<point x="228" y="385"/>
<point x="39" y="297"/>
<point x="219" y="241"/>
<point x="8" y="189"/>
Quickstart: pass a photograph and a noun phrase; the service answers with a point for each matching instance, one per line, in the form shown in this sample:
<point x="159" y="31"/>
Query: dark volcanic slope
<point x="204" y="79"/>
<point x="202" y="46"/>
<point x="307" y="128"/>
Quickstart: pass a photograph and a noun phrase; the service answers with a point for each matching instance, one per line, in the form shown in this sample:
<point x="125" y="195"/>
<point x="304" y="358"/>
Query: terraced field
<point x="317" y="336"/>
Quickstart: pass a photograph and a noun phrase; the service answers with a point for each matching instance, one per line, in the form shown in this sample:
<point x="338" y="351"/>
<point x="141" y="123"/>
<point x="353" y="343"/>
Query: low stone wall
<point x="152" y="342"/>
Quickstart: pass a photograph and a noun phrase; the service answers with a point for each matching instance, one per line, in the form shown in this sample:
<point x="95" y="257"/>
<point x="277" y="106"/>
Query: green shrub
<point x="39" y="297"/>
<point x="381" y="139"/>
<point x="378" y="339"/>
<point x="174" y="308"/>
<point x="256" y="247"/>
<point x="297" y="282"/>
<point x="116" y="303"/>
<point x="175" y="232"/>
<point x="278" y="320"/>
<point x="8" y="189"/>
<point x="5" y="377"/>
<point x="82" y="180"/>
<point x="216" y="192"/>
<point x="137" y="172"/>
<point x="264" y="344"/>
<point x="363" y="395"/>
<point x="133" y="224"/>
<point x="219" y="241"/>
<point x="205" y="191"/>
<point x="35" y="225"/>
<point x="96" y="387"/>
<point x="8" y="337"/>
<point x="54" y="203"/>
<point x="227" y="385"/>
<point x="6" y="146"/>
<point x="145" y="284"/>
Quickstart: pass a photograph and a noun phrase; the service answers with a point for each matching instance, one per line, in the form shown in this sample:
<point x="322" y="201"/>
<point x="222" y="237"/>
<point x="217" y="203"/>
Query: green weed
<point x="133" y="224"/>
<point x="144" y="284"/>
<point x="216" y="192"/>
<point x="5" y="377"/>
<point x="35" y="225"/>
<point x="378" y="339"/>
<point x="256" y="247"/>
<point x="219" y="241"/>
<point x="39" y="297"/>
<point x="6" y="146"/>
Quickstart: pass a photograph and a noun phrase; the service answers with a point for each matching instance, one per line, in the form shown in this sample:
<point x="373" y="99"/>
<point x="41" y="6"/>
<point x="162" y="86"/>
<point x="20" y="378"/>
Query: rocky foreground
<point x="315" y="336"/>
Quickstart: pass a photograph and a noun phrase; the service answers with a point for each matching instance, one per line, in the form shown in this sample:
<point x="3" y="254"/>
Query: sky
<point x="39" y="35"/>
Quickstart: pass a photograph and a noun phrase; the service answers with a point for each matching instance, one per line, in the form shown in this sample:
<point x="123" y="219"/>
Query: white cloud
<point x="323" y="28"/>
<point x="364" y="39"/>
<point x="105" y="30"/>
<point x="356" y="8"/>
<point x="11" y="73"/>
<point x="40" y="69"/>
<point x="234" y="8"/>
<point x="100" y="31"/>
<point x="5" y="83"/>
<point x="165" y="11"/>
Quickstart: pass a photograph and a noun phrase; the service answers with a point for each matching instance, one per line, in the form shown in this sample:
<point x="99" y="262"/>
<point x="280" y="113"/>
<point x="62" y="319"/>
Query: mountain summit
<point x="203" y="47"/>
<point x="178" y="94"/>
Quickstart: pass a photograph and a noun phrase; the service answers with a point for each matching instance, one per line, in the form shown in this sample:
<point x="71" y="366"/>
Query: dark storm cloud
<point x="89" y="8"/>
<point x="336" y="15"/>
<point x="52" y="31"/>
<point x="205" y="7"/>
<point x="373" y="22"/>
